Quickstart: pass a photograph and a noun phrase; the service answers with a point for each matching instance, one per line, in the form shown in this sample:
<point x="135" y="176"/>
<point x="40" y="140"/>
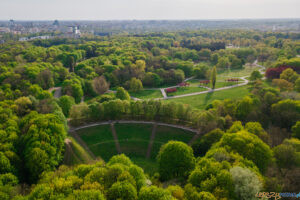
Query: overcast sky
<point x="147" y="9"/>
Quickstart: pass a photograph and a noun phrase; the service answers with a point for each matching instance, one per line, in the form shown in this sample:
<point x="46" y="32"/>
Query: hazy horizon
<point x="94" y="10"/>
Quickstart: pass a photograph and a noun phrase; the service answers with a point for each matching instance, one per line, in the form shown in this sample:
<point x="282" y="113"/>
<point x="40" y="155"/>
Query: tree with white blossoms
<point x="246" y="182"/>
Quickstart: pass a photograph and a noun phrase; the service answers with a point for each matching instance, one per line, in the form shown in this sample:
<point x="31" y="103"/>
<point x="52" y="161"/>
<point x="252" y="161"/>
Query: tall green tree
<point x="175" y="160"/>
<point x="213" y="78"/>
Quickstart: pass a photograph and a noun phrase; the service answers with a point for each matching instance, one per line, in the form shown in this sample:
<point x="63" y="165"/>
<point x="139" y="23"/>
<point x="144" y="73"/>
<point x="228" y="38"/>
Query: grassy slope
<point x="100" y="140"/>
<point x="77" y="153"/>
<point x="134" y="138"/>
<point x="96" y="134"/>
<point x="165" y="134"/>
<point x="202" y="100"/>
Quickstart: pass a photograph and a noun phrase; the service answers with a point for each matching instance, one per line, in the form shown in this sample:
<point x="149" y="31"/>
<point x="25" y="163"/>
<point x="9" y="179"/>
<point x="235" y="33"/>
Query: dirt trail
<point x="113" y="130"/>
<point x="149" y="150"/>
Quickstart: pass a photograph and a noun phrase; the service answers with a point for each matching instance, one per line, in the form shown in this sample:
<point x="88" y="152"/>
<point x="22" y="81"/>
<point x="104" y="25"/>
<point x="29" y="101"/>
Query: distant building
<point x="42" y="37"/>
<point x="4" y="30"/>
<point x="11" y="23"/>
<point x="73" y="32"/>
<point x="231" y="46"/>
<point x="56" y="23"/>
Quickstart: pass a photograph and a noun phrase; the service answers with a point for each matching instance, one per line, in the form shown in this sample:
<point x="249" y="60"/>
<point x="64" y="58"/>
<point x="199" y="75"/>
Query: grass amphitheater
<point x="140" y="141"/>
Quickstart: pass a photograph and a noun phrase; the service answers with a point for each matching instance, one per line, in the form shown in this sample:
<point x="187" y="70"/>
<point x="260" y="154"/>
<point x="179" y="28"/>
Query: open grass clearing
<point x="166" y="133"/>
<point x="246" y="71"/>
<point x="146" y="94"/>
<point x="134" y="148"/>
<point x="186" y="90"/>
<point x="133" y="131"/>
<point x="221" y="84"/>
<point x="104" y="150"/>
<point x="202" y="100"/>
<point x="95" y="134"/>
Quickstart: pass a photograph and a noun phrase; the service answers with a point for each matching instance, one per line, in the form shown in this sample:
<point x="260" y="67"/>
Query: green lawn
<point x="165" y="134"/>
<point x="246" y="71"/>
<point x="134" y="131"/>
<point x="186" y="90"/>
<point x="105" y="150"/>
<point x="155" y="149"/>
<point x="202" y="100"/>
<point x="134" y="147"/>
<point x="95" y="134"/>
<point x="134" y="138"/>
<point x="100" y="140"/>
<point x="225" y="84"/>
<point x="146" y="94"/>
<point x="194" y="82"/>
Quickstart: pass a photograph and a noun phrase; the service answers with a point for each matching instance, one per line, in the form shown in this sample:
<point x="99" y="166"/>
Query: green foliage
<point x="135" y="85"/>
<point x="175" y="160"/>
<point x="153" y="192"/>
<point x="286" y="156"/>
<point x="296" y="130"/>
<point x="289" y="75"/>
<point x="212" y="177"/>
<point x="201" y="71"/>
<point x="255" y="75"/>
<point x="257" y="129"/>
<point x="66" y="103"/>
<point x="122" y="190"/>
<point x="249" y="146"/>
<point x="122" y="94"/>
<point x="213" y="78"/>
<point x="191" y="193"/>
<point x="297" y="85"/>
<point x="152" y="80"/>
<point x="286" y="113"/>
<point x="43" y="143"/>
<point x="202" y="145"/>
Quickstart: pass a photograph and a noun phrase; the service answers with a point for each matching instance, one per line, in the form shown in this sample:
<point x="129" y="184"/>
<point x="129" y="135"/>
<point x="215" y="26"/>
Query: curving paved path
<point x="73" y="129"/>
<point x="218" y="89"/>
<point x="57" y="93"/>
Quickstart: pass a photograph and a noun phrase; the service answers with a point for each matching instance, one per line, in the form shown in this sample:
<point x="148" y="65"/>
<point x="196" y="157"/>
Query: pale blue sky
<point x="147" y="9"/>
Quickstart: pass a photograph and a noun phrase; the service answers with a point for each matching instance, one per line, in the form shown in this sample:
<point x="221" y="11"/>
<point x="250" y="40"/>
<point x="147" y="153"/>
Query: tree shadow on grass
<point x="208" y="97"/>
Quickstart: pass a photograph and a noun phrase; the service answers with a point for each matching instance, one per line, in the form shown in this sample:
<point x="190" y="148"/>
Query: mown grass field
<point x="186" y="90"/>
<point x="225" y="84"/>
<point x="202" y="100"/>
<point x="134" y="138"/>
<point x="246" y="71"/>
<point x="95" y="134"/>
<point x="105" y="149"/>
<point x="147" y="94"/>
